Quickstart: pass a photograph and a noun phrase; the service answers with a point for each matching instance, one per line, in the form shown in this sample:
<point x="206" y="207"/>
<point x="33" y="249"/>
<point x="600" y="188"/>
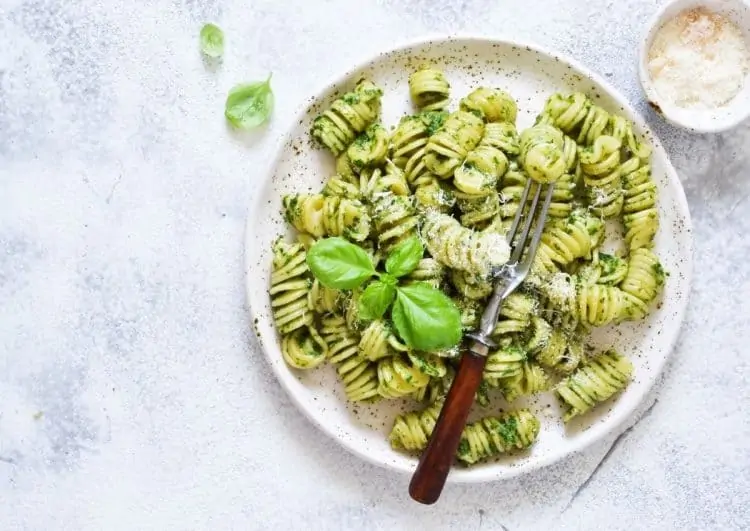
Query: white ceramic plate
<point x="530" y="74"/>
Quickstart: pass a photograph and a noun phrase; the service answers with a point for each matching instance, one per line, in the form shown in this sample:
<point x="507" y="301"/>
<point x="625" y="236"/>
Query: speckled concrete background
<point x="132" y="394"/>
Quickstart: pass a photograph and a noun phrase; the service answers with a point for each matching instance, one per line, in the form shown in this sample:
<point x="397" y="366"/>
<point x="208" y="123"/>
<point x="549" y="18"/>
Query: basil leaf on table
<point x="405" y="257"/>
<point x="375" y="300"/>
<point x="212" y="40"/>
<point x="339" y="264"/>
<point x="425" y="318"/>
<point x="249" y="105"/>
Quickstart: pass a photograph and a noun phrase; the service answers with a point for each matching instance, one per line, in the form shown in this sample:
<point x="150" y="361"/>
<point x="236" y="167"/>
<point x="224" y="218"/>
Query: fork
<point x="434" y="464"/>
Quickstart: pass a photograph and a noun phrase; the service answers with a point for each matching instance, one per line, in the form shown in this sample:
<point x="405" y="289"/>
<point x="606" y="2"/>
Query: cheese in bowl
<point x="695" y="64"/>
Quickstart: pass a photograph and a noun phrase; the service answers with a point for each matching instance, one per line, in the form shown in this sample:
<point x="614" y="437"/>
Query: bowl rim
<point x="654" y="23"/>
<point x="614" y="425"/>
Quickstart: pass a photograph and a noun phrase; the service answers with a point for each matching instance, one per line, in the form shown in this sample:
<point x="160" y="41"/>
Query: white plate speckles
<point x="530" y="74"/>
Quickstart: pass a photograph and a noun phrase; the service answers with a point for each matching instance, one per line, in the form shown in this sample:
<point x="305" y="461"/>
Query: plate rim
<point x="590" y="436"/>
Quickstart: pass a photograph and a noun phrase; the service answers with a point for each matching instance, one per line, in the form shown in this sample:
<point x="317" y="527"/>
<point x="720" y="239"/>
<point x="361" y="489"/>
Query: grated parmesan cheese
<point x="560" y="290"/>
<point x="699" y="60"/>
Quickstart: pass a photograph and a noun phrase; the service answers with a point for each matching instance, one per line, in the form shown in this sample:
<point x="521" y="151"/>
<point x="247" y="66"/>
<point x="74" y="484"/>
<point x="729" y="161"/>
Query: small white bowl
<point x="699" y="120"/>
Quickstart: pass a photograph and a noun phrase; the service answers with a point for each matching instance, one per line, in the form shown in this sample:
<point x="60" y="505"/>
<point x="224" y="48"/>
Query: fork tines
<point x="517" y="241"/>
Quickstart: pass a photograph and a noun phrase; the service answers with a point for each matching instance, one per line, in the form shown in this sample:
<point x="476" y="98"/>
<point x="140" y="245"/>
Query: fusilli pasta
<point x="454" y="179"/>
<point x="429" y="89"/>
<point x="290" y="287"/>
<point x="593" y="382"/>
<point x="348" y="115"/>
<point x="447" y="148"/>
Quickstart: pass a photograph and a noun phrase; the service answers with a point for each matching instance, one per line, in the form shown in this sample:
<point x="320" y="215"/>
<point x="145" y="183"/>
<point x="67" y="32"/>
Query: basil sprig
<point x="423" y="316"/>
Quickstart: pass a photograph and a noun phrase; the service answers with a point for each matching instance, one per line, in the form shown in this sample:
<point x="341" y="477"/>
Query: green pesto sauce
<point x="464" y="448"/>
<point x="508" y="430"/>
<point x="351" y="98"/>
<point x="433" y="120"/>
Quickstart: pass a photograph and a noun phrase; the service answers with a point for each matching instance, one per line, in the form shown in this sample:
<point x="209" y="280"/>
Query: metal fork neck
<point x="489" y="317"/>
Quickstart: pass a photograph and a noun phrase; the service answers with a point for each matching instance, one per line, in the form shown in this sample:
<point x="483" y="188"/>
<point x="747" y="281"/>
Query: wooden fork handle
<point x="435" y="463"/>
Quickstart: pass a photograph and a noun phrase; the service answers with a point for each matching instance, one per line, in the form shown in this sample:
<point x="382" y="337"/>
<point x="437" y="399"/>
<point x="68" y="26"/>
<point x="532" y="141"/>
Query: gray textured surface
<point x="132" y="394"/>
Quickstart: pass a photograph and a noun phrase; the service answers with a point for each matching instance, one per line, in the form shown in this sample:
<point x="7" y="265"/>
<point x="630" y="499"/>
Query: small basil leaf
<point x="212" y="40"/>
<point x="249" y="105"/>
<point x="426" y="318"/>
<point x="375" y="300"/>
<point x="339" y="264"/>
<point x="405" y="257"/>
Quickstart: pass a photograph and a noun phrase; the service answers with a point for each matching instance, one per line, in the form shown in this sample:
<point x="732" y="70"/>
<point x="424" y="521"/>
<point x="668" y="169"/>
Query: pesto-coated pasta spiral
<point x="428" y="363"/>
<point x="505" y="362"/>
<point x="515" y="314"/>
<point x="398" y="376"/>
<point x="437" y="389"/>
<point x="542" y="154"/>
<point x="570" y="155"/>
<point x="564" y="192"/>
<point x="395" y="219"/>
<point x="481" y="170"/>
<point x="409" y="141"/>
<point x="358" y="375"/>
<point x="599" y="305"/>
<point x="433" y="194"/>
<point x="530" y="381"/>
<point x="538" y="334"/>
<point x="290" y="287"/>
<point x="348" y="115"/>
<point x="378" y="341"/>
<point x="304" y="348"/>
<point x="345" y="169"/>
<point x="351" y="311"/>
<point x="558" y="295"/>
<point x="428" y="270"/>
<point x="447" y="148"/>
<point x="493" y="436"/>
<point x="600" y="163"/>
<point x="429" y="89"/>
<point x="566" y="240"/>
<point x="642" y="283"/>
<point x="563" y="196"/>
<point x="369" y="148"/>
<point x="592" y="383"/>
<point x="640" y="217"/>
<point x="336" y="185"/>
<point x="577" y="116"/>
<point x="373" y="182"/>
<point x="411" y="431"/>
<point x="321" y="215"/>
<point x="503" y="136"/>
<point x="324" y="300"/>
<point x="477" y="211"/>
<point x="511" y="189"/>
<point x="556" y="355"/>
<point x="471" y="286"/>
<point x="460" y="248"/>
<point x="603" y="269"/>
<point x="491" y="104"/>
<point x="622" y="129"/>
